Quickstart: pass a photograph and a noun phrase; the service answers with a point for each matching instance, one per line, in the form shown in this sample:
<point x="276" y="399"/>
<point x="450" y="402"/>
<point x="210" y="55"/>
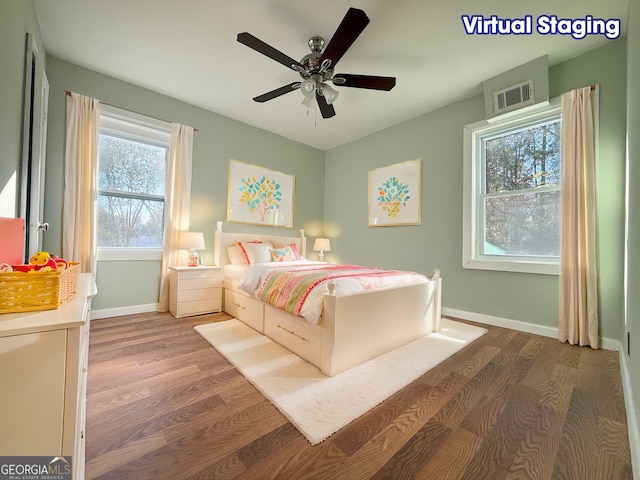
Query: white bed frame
<point x="353" y="328"/>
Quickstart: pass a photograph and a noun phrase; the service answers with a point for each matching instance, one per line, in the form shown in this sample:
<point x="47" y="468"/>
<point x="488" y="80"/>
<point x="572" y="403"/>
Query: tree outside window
<point x="131" y="189"/>
<point x="512" y="169"/>
<point x="521" y="192"/>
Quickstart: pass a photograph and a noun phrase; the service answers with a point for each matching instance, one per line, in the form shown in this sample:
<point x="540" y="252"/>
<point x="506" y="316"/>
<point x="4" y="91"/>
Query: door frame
<point x="34" y="146"/>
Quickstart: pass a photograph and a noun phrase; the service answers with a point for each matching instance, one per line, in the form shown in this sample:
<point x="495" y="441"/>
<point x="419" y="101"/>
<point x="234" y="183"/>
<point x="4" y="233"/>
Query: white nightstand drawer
<point x="198" y="283"/>
<point x="200" y="294"/>
<point x="199" y="272"/>
<point x="199" y="306"/>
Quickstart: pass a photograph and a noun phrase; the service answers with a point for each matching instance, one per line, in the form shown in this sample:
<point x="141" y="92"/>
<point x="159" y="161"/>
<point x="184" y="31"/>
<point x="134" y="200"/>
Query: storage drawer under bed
<point x="295" y="334"/>
<point x="245" y="308"/>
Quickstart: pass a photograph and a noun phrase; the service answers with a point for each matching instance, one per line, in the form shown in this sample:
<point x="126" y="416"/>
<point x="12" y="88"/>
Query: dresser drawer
<point x="244" y="308"/>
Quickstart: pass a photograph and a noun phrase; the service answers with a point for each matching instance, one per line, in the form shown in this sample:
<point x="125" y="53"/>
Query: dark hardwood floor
<point x="163" y="404"/>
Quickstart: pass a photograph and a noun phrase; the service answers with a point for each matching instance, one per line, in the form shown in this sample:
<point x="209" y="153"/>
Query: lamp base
<point x="194" y="258"/>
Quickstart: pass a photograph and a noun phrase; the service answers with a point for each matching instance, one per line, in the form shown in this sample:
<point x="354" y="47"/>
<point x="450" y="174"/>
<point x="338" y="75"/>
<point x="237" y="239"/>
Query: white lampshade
<point x="308" y="88"/>
<point x="309" y="102"/>
<point x="322" y="245"/>
<point x="192" y="240"/>
<point x="330" y="94"/>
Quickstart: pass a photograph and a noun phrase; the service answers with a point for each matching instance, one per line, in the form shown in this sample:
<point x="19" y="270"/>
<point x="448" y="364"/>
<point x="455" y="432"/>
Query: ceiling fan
<point x="316" y="68"/>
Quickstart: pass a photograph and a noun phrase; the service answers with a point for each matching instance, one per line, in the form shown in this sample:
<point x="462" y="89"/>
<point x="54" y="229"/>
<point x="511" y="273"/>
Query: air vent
<point x="513" y="97"/>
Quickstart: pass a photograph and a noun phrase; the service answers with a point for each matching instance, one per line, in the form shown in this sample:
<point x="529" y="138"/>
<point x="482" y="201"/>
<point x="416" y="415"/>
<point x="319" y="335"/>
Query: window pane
<point x="522" y="224"/>
<point x="129" y="222"/>
<point x="525" y="159"/>
<point x="129" y="166"/>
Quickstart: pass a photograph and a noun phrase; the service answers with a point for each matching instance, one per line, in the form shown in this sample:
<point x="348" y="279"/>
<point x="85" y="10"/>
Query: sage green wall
<point x="17" y="18"/>
<point x="218" y="140"/>
<point x="633" y="242"/>
<point x="437" y="242"/>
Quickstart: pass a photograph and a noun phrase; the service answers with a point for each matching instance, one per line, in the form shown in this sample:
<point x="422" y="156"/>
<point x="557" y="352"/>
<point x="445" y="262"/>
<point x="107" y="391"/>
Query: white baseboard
<point x="551" y="332"/>
<point x="121" y="311"/>
<point x="633" y="421"/>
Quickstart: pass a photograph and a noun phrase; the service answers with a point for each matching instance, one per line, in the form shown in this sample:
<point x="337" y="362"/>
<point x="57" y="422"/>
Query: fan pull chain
<point x="315" y="116"/>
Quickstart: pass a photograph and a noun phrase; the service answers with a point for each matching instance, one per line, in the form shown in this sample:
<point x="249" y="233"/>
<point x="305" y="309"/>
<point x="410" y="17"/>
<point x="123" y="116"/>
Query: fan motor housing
<point x="311" y="62"/>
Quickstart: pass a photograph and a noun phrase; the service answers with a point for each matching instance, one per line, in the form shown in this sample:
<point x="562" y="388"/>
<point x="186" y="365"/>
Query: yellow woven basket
<point x="28" y="292"/>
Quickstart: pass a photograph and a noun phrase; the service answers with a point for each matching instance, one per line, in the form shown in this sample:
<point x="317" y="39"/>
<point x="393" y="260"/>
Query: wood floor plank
<point x="580" y="434"/>
<point x="114" y="458"/>
<point x="497" y="452"/>
<point x="415" y="453"/>
<point x="535" y="455"/>
<point x="452" y="458"/>
<point x="164" y="405"/>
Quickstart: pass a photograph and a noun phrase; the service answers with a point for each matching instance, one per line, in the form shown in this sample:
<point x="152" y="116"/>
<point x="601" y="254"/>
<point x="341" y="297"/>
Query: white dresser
<point x="195" y="290"/>
<point x="43" y="373"/>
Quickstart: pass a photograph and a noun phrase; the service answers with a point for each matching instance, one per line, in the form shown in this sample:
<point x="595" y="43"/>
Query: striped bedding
<point x="298" y="287"/>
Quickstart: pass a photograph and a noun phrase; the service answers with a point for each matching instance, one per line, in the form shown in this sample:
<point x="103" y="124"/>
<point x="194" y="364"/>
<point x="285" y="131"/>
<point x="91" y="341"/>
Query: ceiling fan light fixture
<point x="309" y="102"/>
<point x="330" y="94"/>
<point x="308" y="88"/>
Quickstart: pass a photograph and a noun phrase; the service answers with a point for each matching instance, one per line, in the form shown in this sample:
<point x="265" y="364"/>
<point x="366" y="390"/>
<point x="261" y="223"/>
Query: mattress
<point x="234" y="273"/>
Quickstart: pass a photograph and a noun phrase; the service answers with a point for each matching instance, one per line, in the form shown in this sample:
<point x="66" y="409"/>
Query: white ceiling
<point x="188" y="50"/>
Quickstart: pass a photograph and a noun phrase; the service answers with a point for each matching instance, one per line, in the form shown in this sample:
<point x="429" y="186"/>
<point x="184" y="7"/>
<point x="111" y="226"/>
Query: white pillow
<point x="257" y="252"/>
<point x="236" y="255"/>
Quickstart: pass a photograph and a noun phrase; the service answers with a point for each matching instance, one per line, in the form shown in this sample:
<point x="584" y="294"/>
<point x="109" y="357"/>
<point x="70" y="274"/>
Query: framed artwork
<point x="259" y="196"/>
<point x="395" y="194"/>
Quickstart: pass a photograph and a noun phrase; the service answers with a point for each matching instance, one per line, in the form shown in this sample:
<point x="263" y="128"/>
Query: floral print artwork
<point x="393" y="195"/>
<point x="260" y="195"/>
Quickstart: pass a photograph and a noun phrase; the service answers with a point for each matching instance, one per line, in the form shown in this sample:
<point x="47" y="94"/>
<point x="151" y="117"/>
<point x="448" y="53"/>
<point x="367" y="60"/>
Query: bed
<point x="351" y="328"/>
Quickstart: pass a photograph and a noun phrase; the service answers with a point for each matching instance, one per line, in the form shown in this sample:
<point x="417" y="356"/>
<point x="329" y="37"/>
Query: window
<point x="512" y="193"/>
<point x="133" y="154"/>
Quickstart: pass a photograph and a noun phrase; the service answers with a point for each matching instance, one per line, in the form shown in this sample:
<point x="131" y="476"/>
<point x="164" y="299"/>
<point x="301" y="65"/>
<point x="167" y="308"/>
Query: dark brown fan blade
<point x="349" y="29"/>
<point x="265" y="49"/>
<point x="277" y="92"/>
<point x="326" y="110"/>
<point x="364" y="81"/>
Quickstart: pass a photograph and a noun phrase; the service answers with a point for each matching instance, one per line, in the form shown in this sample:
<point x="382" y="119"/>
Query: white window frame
<point x="472" y="188"/>
<point x="135" y="127"/>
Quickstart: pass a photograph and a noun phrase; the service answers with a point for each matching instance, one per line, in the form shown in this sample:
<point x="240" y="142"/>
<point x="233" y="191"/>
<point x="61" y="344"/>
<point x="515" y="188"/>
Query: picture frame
<point x="259" y="196"/>
<point x="395" y="194"/>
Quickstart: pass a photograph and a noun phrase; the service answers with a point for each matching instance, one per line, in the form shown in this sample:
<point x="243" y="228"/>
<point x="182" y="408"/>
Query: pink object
<point x="11" y="240"/>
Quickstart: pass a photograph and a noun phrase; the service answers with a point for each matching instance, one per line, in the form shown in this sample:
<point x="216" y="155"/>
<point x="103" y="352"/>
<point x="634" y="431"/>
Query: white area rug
<point x="318" y="405"/>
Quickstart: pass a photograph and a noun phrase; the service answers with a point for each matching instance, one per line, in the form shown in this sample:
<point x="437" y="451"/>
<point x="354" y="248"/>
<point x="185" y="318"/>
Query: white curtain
<point x="578" y="269"/>
<point x="80" y="177"/>
<point x="177" y="204"/>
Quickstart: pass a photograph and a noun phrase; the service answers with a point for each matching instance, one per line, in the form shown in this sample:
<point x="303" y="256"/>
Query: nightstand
<point x="195" y="290"/>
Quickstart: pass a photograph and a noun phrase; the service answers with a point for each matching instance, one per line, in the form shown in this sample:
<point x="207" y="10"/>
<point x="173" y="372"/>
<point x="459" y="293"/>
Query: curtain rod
<point x="68" y="92"/>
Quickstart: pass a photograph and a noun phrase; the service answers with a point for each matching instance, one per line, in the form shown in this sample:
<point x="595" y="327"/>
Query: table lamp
<point x="322" y="245"/>
<point x="192" y="241"/>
